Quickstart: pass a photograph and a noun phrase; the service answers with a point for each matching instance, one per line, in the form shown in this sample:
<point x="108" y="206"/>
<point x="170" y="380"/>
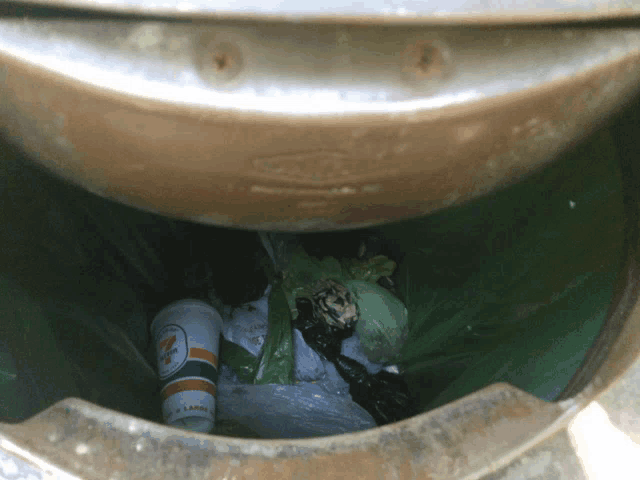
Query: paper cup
<point x="187" y="336"/>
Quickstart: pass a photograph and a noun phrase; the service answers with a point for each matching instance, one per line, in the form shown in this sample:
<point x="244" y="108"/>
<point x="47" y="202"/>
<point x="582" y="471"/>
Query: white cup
<point x="187" y="337"/>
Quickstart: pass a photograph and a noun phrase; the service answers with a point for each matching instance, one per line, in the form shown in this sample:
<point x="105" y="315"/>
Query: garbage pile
<point x="318" y="348"/>
<point x="315" y="354"/>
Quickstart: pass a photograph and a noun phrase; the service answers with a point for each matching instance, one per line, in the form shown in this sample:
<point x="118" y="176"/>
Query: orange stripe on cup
<point x="188" y="385"/>
<point x="202" y="354"/>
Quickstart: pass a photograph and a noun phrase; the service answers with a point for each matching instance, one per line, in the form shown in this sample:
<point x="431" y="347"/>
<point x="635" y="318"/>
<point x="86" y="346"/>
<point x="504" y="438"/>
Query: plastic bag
<point x="73" y="317"/>
<point x="258" y="341"/>
<point x="244" y="334"/>
<point x="384" y="395"/>
<point x="295" y="274"/>
<point x="289" y="411"/>
<point x="383" y="326"/>
<point x="304" y="272"/>
<point x="329" y="317"/>
<point x="323" y="407"/>
<point x="317" y="404"/>
<point x="242" y="362"/>
<point x="352" y="348"/>
<point x="515" y="285"/>
<point x="308" y="364"/>
<point x="248" y="325"/>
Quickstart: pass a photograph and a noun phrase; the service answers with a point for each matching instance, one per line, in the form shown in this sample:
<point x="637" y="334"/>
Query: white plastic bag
<point x="289" y="411"/>
<point x="248" y="325"/>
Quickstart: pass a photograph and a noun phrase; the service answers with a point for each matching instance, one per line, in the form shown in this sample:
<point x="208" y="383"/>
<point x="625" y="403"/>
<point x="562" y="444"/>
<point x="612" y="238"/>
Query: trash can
<point x="521" y="298"/>
<point x="513" y="287"/>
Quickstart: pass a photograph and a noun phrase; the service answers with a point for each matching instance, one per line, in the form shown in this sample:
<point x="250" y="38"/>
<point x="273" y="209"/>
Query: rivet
<point x="426" y="60"/>
<point x="219" y="59"/>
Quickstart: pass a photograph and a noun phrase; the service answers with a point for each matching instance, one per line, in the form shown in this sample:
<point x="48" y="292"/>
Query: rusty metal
<point x="295" y="127"/>
<point x="464" y="438"/>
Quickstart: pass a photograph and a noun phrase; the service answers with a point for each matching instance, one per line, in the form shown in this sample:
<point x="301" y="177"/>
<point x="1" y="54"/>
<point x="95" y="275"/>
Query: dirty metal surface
<point x="378" y="11"/>
<point x="552" y="459"/>
<point x="303" y="127"/>
<point x="622" y="399"/>
<point x="461" y="439"/>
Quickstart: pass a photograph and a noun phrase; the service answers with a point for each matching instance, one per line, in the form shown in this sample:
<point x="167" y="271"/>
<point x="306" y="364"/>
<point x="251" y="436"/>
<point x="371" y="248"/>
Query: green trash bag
<point x="383" y="326"/>
<point x="513" y="287"/>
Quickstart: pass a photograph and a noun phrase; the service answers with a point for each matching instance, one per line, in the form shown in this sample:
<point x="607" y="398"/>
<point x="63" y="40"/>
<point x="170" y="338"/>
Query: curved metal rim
<point x="244" y="191"/>
<point x="402" y="13"/>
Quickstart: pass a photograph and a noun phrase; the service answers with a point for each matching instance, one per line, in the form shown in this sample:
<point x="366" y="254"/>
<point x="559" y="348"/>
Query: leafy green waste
<point x="276" y="363"/>
<point x="243" y="363"/>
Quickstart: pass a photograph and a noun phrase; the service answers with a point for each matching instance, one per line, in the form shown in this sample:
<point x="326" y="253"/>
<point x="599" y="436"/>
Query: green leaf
<point x="369" y="270"/>
<point x="243" y="363"/>
<point x="277" y="361"/>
